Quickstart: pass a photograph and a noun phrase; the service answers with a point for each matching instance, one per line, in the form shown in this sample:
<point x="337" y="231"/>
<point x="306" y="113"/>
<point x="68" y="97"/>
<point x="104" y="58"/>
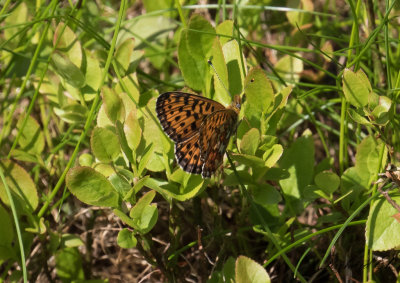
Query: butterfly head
<point x="236" y="104"/>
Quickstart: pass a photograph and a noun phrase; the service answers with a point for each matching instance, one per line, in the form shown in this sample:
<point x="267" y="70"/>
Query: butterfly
<point x="200" y="127"/>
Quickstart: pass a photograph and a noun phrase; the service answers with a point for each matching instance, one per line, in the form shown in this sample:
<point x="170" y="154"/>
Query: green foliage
<point x="79" y="88"/>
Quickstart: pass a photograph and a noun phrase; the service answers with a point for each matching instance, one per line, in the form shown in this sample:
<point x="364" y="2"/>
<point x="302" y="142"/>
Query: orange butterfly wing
<point x="188" y="155"/>
<point x="214" y="138"/>
<point x="200" y="128"/>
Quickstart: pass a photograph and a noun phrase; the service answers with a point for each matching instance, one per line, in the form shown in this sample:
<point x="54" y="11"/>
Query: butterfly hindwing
<point x="187" y="154"/>
<point x="182" y="114"/>
<point x="214" y="138"/>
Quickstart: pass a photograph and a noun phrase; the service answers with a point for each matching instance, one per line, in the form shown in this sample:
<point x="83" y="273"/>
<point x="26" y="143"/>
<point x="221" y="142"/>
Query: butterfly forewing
<point x="181" y="114"/>
<point x="214" y="138"/>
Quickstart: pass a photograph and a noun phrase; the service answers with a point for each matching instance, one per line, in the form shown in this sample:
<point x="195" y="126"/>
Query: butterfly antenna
<point x="251" y="81"/>
<point x="215" y="71"/>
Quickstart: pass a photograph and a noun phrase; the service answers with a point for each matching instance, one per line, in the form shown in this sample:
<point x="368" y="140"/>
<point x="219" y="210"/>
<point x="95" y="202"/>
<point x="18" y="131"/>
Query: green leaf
<point x="358" y="116"/>
<point x="133" y="131"/>
<point x="250" y="142"/>
<point x="123" y="55"/>
<point x="232" y="180"/>
<point x="86" y="159"/>
<point x="220" y="74"/>
<point x="68" y="43"/>
<point x="130" y="92"/>
<point x="298" y="160"/>
<point x="299" y="18"/>
<point x="147" y="154"/>
<point x="367" y="157"/>
<point x="200" y="37"/>
<point x="131" y="195"/>
<point x="328" y="181"/>
<point x="119" y="127"/>
<point x="289" y="68"/>
<point x="381" y="111"/>
<point x="193" y="71"/>
<point x="120" y="183"/>
<point x="265" y="194"/>
<point x="23" y="189"/>
<point x="71" y="241"/>
<point x="32" y="138"/>
<point x="67" y="70"/>
<point x="104" y="144"/>
<point x="225" y="28"/>
<point x="259" y="92"/>
<point x="14" y="23"/>
<point x="144" y="201"/>
<point x="272" y="155"/>
<point x="91" y="187"/>
<point x="195" y="185"/>
<point x="69" y="265"/>
<point x="233" y="59"/>
<point x="73" y="113"/>
<point x="126" y="239"/>
<point x="144" y="214"/>
<point x="356" y="87"/>
<point x="24" y="156"/>
<point x="249" y="271"/>
<point x="383" y="230"/>
<point x="195" y="47"/>
<point x="113" y="105"/>
<point x="93" y="76"/>
<point x="249" y="160"/>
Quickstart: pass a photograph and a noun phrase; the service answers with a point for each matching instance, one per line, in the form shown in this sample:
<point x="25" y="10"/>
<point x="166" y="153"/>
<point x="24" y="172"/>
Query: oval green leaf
<point x="249" y="271"/>
<point x="104" y="144"/>
<point x="91" y="187"/>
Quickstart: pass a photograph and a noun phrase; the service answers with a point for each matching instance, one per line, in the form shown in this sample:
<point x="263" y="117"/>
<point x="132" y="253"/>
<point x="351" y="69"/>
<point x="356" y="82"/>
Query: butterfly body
<point x="200" y="127"/>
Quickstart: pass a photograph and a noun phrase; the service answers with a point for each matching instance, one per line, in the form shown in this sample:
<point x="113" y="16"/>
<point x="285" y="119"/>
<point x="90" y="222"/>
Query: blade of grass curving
<point x="92" y="112"/>
<point x="17" y="228"/>
<point x="388" y="50"/>
<point x="301" y="260"/>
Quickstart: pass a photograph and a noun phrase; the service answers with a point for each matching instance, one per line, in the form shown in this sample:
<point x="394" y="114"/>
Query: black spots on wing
<point x="193" y="126"/>
<point x="208" y="105"/>
<point x="182" y="124"/>
<point x="178" y="117"/>
<point x="196" y="116"/>
<point x="187" y="154"/>
<point x="188" y="113"/>
<point x="195" y="104"/>
<point x="186" y="100"/>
